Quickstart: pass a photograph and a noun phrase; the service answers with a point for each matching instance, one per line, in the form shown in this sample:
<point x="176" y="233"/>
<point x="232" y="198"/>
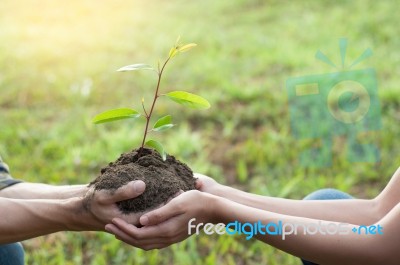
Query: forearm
<point x="24" y="219"/>
<point x="26" y="190"/>
<point x="350" y="248"/>
<point x="351" y="211"/>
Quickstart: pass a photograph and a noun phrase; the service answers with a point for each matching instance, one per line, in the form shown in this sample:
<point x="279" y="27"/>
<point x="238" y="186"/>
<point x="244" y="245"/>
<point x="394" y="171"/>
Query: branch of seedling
<point x="163" y="123"/>
<point x="156" y="95"/>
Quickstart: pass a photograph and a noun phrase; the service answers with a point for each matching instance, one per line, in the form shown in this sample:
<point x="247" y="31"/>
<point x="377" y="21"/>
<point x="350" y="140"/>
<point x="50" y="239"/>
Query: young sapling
<point x="163" y="174"/>
<point x="181" y="97"/>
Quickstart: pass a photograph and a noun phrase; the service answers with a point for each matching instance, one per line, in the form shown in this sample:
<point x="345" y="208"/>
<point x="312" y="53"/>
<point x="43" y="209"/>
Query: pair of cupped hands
<point x="167" y="224"/>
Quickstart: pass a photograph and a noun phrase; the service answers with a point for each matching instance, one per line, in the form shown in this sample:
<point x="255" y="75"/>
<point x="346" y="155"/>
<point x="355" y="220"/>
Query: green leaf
<point x="134" y="67"/>
<point x="186" y="47"/>
<point x="159" y="148"/>
<point x="163" y="123"/>
<point x="115" y="114"/>
<point x="189" y="99"/>
<point x="172" y="52"/>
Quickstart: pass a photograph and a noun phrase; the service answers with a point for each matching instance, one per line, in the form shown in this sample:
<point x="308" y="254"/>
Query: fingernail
<point x="144" y="220"/>
<point x="139" y="186"/>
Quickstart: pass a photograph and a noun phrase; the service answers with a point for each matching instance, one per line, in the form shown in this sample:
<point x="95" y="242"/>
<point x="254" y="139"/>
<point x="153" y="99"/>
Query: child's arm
<point x="353" y="211"/>
<point x="172" y="223"/>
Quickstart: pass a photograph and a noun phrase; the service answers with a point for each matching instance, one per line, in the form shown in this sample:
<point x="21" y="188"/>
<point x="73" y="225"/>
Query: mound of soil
<point x="163" y="178"/>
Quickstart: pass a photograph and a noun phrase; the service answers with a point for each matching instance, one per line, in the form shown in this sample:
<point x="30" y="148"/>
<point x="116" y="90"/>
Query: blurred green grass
<point x="57" y="69"/>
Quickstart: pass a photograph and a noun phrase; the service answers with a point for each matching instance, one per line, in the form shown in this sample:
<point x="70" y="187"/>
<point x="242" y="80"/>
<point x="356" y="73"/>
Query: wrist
<point x="219" y="190"/>
<point x="215" y="205"/>
<point x="80" y="218"/>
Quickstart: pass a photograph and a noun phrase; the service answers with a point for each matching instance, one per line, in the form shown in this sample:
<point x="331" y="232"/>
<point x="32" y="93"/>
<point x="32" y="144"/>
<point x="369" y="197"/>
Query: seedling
<point x="181" y="97"/>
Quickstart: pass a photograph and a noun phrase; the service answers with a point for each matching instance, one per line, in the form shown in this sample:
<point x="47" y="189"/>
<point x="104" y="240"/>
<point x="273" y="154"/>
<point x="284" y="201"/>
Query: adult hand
<point x="166" y="225"/>
<point x="101" y="205"/>
<point x="37" y="217"/>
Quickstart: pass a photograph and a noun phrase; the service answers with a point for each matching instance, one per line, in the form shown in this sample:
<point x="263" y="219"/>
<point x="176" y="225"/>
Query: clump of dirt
<point x="163" y="179"/>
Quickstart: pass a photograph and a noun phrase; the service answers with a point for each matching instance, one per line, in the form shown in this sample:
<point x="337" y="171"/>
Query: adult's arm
<point x="23" y="219"/>
<point x="27" y="190"/>
<point x="355" y="211"/>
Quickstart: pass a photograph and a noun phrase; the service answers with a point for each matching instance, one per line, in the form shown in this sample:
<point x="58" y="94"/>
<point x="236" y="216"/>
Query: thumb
<point x="129" y="191"/>
<point x="199" y="184"/>
<point x="160" y="215"/>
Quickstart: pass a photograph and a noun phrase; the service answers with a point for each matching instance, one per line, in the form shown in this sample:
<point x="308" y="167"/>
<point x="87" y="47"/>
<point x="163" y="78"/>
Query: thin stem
<point x="144" y="109"/>
<point x="156" y="95"/>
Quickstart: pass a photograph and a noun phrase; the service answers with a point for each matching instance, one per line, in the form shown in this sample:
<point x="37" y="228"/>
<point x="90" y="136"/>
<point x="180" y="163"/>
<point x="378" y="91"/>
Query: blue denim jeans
<point x="12" y="254"/>
<point x="325" y="194"/>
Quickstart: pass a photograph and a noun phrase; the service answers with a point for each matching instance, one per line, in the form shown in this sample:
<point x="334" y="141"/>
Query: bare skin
<point x="26" y="190"/>
<point x="30" y="210"/>
<point x="216" y="203"/>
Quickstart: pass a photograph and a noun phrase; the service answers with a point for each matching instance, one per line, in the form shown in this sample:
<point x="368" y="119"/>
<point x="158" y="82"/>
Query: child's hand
<point x="166" y="225"/>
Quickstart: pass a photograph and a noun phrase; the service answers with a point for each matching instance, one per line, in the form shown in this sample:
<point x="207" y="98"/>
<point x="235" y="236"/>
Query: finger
<point x="148" y="232"/>
<point x="161" y="214"/>
<point x="174" y="196"/>
<point x="127" y="238"/>
<point x="166" y="230"/>
<point x="127" y="228"/>
<point x="129" y="191"/>
<point x="110" y="228"/>
<point x="146" y="244"/>
<point x="122" y="236"/>
<point x="198" y="184"/>
<point x="199" y="180"/>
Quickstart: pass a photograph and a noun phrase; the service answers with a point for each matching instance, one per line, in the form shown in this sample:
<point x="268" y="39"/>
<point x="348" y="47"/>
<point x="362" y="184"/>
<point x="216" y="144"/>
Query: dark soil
<point x="164" y="179"/>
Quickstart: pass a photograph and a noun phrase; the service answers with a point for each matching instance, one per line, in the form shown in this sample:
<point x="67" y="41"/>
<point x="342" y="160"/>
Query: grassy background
<point x="57" y="69"/>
